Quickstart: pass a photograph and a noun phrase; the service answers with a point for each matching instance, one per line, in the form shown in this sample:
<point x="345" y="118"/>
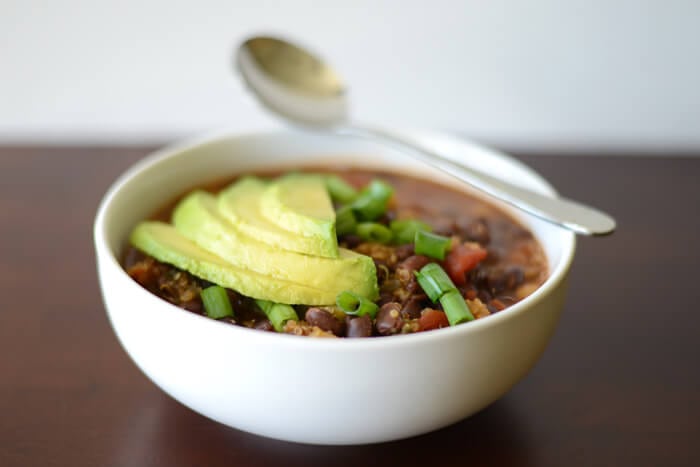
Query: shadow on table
<point x="166" y="433"/>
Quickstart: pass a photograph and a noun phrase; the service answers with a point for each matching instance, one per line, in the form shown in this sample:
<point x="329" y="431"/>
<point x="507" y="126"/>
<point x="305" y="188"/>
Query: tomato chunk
<point x="432" y="319"/>
<point x="463" y="258"/>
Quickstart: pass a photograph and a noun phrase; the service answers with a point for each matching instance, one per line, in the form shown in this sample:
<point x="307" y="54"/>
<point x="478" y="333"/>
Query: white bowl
<point x="321" y="391"/>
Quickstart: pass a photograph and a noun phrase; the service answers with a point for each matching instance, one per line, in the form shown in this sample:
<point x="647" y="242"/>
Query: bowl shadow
<point x="163" y="432"/>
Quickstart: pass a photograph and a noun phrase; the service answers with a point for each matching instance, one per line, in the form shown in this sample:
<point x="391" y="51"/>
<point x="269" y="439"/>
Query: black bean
<point x="484" y="295"/>
<point x="387" y="217"/>
<point x="385" y="297"/>
<point x="404" y="272"/>
<point x="409" y="285"/>
<point x="412" y="285"/>
<point x="414" y="263"/>
<point x="228" y="320"/>
<point x="233" y="296"/>
<point x="479" y="276"/>
<point x="324" y="320"/>
<point x="359" y="327"/>
<point x="263" y="325"/>
<point x="516" y="276"/>
<point x="505" y="279"/>
<point x="389" y="319"/>
<point x="404" y="251"/>
<point x="413" y="306"/>
<point x="241" y="304"/>
<point x="476" y="230"/>
<point x="350" y="240"/>
<point x="444" y="226"/>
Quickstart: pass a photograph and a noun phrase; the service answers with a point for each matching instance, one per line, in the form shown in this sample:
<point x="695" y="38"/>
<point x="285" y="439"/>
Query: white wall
<point x="524" y="74"/>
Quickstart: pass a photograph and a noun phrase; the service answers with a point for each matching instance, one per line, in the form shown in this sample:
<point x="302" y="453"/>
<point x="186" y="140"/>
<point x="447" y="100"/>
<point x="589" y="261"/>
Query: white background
<point x="596" y="74"/>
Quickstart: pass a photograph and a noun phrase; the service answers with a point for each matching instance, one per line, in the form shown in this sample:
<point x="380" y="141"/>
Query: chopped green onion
<point x="340" y="190"/>
<point x="455" y="307"/>
<point x="405" y="230"/>
<point x="373" y="232"/>
<point x="216" y="302"/>
<point x="277" y="313"/>
<point x="438" y="286"/>
<point x="345" y="221"/>
<point x="371" y="203"/>
<point x="434" y="281"/>
<point x="353" y="304"/>
<point x="432" y="245"/>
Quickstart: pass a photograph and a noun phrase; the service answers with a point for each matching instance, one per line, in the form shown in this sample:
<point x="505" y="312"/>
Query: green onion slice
<point x="455" y="308"/>
<point x="345" y="221"/>
<point x="432" y="245"/>
<point x="373" y="232"/>
<point x="277" y="313"/>
<point x="340" y="190"/>
<point x="434" y="281"/>
<point x="372" y="201"/>
<point x="405" y="230"/>
<point x="353" y="304"/>
<point x="216" y="302"/>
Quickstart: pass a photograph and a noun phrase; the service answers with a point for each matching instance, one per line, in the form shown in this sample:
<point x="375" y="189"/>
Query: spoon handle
<point x="566" y="213"/>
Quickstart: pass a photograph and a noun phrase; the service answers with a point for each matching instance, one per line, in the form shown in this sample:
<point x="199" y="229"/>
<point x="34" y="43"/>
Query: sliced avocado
<point x="300" y="203"/>
<point x="197" y="217"/>
<point x="240" y="205"/>
<point x="163" y="242"/>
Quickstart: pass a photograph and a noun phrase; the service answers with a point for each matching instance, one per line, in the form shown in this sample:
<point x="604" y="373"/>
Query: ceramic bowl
<point x="321" y="391"/>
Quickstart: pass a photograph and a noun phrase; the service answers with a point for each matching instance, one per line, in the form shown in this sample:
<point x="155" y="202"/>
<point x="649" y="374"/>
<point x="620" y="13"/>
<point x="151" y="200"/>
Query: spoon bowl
<point x="292" y="82"/>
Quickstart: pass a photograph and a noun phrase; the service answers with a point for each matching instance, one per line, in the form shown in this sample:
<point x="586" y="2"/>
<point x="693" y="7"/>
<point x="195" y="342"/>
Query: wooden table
<point x="619" y="384"/>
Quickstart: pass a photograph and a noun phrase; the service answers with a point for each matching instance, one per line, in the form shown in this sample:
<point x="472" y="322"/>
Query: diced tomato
<point x="432" y="319"/>
<point x="461" y="259"/>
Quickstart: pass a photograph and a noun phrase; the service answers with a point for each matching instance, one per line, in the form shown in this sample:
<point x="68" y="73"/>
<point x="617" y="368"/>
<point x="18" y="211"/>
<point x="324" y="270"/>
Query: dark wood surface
<point x="618" y="385"/>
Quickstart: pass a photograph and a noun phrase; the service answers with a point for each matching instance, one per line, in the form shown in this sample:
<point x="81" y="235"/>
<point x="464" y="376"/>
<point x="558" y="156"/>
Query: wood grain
<point x="618" y="385"/>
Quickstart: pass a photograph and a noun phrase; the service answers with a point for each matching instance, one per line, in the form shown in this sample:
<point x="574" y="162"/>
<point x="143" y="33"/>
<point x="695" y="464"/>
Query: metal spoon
<point x="303" y="89"/>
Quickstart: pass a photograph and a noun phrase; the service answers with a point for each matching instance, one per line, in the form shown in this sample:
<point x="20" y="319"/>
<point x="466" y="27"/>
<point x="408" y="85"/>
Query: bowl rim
<point x="102" y="249"/>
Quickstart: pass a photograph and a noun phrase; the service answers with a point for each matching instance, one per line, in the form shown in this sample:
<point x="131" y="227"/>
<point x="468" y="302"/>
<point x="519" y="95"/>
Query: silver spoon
<point x="303" y="89"/>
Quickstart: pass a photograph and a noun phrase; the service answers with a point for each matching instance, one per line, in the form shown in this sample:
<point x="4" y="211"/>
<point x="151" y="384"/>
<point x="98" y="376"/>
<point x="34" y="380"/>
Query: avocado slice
<point x="197" y="217"/>
<point x="300" y="204"/>
<point x="163" y="242"/>
<point x="240" y="205"/>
